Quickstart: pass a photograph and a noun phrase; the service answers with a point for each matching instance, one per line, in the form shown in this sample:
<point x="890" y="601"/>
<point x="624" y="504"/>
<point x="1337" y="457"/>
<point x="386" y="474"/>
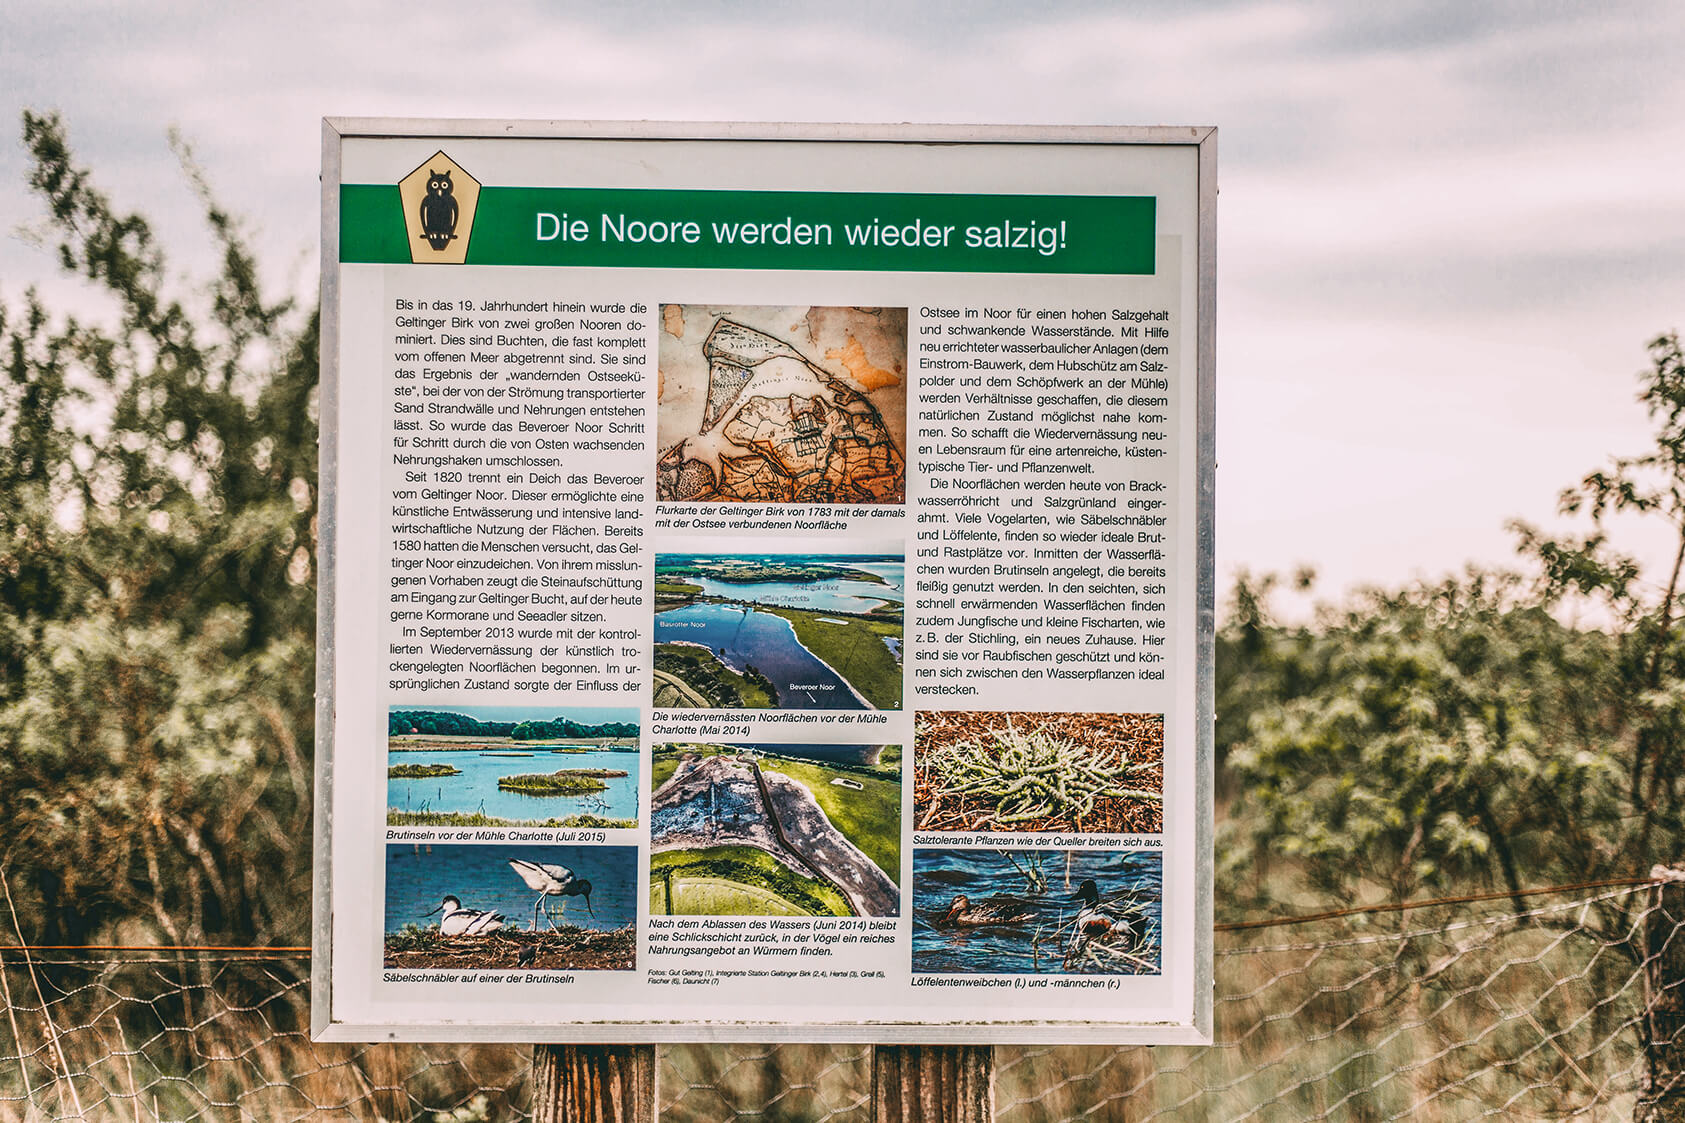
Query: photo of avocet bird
<point x="459" y="921"/>
<point x="551" y="880"/>
<point x="426" y="879"/>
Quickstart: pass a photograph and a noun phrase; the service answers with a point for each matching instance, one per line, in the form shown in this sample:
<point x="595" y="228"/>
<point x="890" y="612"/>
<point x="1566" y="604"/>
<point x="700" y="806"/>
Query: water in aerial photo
<point x="783" y="631"/>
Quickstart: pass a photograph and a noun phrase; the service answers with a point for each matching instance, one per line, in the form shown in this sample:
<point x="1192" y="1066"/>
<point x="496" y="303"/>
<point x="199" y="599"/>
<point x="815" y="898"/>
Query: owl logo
<point x="438" y="210"/>
<point x="439" y="200"/>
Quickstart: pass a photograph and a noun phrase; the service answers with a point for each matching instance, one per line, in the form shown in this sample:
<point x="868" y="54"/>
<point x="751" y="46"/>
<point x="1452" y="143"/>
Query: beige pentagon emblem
<point x="439" y="200"/>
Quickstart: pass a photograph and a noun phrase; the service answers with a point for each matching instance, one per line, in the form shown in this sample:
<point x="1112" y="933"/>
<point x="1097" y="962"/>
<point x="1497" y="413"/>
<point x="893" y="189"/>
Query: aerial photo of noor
<point x="782" y="405"/>
<point x="775" y="830"/>
<point x="810" y="631"/>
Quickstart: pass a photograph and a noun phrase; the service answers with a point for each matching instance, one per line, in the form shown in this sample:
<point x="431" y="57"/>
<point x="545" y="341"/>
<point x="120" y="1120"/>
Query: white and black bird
<point x="1095" y="922"/>
<point x="551" y="881"/>
<point x="459" y="921"/>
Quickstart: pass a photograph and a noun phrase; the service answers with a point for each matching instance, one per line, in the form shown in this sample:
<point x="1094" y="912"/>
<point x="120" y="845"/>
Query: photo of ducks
<point x="489" y="907"/>
<point x="983" y="771"/>
<point x="1037" y="912"/>
<point x="512" y="766"/>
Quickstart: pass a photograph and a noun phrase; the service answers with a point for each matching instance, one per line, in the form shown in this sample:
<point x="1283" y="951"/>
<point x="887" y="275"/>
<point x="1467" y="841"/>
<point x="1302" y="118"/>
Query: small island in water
<point x="459" y="772"/>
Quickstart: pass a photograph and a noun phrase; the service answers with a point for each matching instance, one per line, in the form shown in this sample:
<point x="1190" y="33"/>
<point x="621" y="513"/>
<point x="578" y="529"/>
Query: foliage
<point x="1430" y="736"/>
<point x="561" y="728"/>
<point x="566" y="781"/>
<point x="1459" y="733"/>
<point x="421" y="771"/>
<point x="435" y="723"/>
<point x="157" y="604"/>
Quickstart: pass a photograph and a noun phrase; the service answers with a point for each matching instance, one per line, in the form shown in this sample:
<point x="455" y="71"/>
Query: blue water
<point x="743" y="636"/>
<point x="418" y="875"/>
<point x="476" y="788"/>
<point x="939" y="875"/>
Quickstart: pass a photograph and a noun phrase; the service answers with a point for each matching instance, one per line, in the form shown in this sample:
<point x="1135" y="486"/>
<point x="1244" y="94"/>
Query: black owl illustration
<point x="438" y="210"/>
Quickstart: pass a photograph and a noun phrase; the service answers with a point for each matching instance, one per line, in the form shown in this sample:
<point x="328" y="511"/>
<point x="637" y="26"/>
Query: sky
<point x="1446" y="230"/>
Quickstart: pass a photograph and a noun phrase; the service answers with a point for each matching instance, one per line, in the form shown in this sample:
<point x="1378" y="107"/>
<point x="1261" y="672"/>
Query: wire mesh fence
<point x="1562" y="1010"/>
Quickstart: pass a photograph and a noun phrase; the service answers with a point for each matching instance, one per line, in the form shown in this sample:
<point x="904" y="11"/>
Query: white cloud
<point x="1446" y="230"/>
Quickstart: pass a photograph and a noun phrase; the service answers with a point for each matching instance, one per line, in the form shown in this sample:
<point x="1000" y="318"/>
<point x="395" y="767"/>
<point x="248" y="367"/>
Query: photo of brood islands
<point x="775" y="830"/>
<point x="778" y="631"/>
<point x="512" y="766"/>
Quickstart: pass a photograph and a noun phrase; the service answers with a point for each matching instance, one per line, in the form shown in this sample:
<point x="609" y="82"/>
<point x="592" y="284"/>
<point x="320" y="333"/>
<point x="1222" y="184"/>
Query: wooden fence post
<point x="1661" y="1096"/>
<point x="933" y="1084"/>
<point x="593" y="1084"/>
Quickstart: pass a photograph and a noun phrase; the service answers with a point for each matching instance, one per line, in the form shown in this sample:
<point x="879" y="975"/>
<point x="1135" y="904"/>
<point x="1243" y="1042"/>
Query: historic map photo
<point x="782" y="405"/>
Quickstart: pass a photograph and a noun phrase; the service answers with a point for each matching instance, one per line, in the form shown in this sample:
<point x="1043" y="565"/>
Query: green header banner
<point x="813" y="230"/>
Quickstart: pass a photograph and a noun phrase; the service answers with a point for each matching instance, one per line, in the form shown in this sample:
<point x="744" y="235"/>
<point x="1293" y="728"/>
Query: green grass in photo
<point x="854" y="647"/>
<point x="870" y="818"/>
<point x="752" y="875"/>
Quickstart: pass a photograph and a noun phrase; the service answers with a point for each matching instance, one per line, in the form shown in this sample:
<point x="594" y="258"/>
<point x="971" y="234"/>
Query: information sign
<point x="766" y="583"/>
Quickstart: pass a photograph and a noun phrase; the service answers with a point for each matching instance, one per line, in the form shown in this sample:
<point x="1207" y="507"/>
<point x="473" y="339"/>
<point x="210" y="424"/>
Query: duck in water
<point x="1094" y="922"/>
<point x="962" y="913"/>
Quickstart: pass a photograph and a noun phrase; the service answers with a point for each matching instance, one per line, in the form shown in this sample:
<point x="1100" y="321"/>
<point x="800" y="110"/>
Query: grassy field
<point x="698" y="668"/>
<point x="854" y="648"/>
<point x="566" y="781"/>
<point x="748" y="874"/>
<point x="869" y="818"/>
<point x="664" y="761"/>
<point x="672" y="587"/>
<point x="420" y="771"/>
<point x="662" y="765"/>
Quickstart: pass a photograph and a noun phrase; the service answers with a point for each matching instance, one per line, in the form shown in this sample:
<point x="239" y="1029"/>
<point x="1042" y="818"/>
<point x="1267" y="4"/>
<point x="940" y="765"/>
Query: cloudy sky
<point x="1446" y="229"/>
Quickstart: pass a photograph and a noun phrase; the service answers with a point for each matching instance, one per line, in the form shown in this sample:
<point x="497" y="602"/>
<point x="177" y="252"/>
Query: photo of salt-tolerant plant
<point x="515" y="907"/>
<point x="1097" y="773"/>
<point x="1017" y="912"/>
<point x="503" y="766"/>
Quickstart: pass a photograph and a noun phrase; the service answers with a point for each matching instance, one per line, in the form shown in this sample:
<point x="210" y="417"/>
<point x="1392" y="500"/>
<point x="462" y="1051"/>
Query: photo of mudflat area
<point x="778" y="631"/>
<point x="781" y="405"/>
<point x="775" y="830"/>
<point x="1013" y="771"/>
<point x="512" y="766"/>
